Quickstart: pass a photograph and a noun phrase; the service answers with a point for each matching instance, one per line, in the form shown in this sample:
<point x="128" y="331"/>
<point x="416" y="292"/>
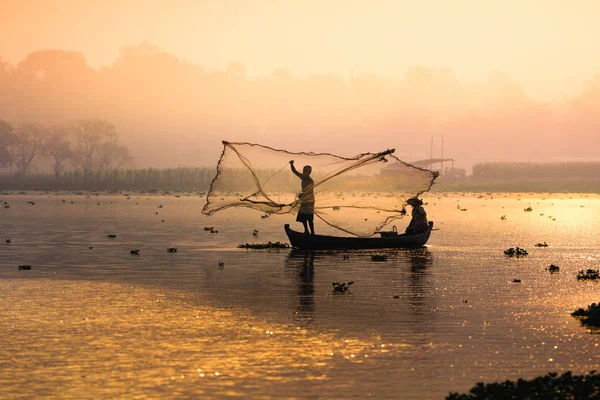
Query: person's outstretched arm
<point x="298" y="174"/>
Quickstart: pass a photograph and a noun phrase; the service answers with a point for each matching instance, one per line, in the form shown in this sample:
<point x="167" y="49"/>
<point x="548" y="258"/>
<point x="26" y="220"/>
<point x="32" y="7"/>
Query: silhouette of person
<point x="306" y="212"/>
<point x="418" y="224"/>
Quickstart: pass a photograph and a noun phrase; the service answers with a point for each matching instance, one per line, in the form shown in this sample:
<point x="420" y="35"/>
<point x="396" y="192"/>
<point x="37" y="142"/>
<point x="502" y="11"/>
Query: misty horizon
<point x="173" y="113"/>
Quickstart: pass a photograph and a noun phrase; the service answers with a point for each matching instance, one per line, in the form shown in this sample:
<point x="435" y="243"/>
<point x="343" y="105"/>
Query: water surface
<point x="101" y="322"/>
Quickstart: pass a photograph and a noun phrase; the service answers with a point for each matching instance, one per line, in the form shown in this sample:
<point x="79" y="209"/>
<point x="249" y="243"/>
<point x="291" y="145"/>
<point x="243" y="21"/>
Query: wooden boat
<point x="305" y="241"/>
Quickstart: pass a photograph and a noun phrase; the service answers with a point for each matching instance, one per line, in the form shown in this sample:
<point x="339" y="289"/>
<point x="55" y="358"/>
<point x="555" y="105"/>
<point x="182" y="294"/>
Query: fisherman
<point x="418" y="224"/>
<point x="306" y="212"/>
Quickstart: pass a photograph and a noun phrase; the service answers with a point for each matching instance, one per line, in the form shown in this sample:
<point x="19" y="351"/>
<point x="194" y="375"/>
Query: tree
<point x="29" y="143"/>
<point x="58" y="148"/>
<point x="113" y="155"/>
<point x="7" y="138"/>
<point x="98" y="147"/>
<point x="90" y="136"/>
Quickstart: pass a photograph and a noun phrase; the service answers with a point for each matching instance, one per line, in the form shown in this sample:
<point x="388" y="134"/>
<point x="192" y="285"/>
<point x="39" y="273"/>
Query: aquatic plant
<point x="341" y="287"/>
<point x="589" y="274"/>
<point x="549" y="386"/>
<point x="516" y="251"/>
<point x="553" y="268"/>
<point x="261" y="246"/>
<point x="590" y="317"/>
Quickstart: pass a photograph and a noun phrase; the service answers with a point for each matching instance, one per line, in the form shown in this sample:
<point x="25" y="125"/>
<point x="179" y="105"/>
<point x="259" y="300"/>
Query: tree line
<point x="86" y="146"/>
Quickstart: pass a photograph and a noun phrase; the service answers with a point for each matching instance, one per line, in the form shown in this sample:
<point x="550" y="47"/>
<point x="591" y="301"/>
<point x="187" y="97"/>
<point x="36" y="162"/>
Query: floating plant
<point x="516" y="251"/>
<point x="588" y="275"/>
<point x="553" y="268"/>
<point x="590" y="317"/>
<point x="260" y="246"/>
<point x="341" y="287"/>
<point x="550" y="386"/>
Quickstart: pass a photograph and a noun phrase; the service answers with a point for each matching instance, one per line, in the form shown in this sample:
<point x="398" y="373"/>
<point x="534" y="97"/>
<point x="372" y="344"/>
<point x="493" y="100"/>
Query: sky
<point x="548" y="46"/>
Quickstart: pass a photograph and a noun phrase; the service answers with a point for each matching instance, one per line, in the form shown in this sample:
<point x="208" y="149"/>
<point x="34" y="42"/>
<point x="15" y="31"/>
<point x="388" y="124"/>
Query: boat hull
<point x="304" y="241"/>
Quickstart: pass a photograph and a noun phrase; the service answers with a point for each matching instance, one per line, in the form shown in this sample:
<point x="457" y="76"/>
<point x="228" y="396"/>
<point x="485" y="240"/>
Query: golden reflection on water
<point x="267" y="324"/>
<point x="97" y="339"/>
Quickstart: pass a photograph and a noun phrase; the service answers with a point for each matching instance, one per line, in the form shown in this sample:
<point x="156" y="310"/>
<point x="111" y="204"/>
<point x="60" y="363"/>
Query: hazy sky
<point x="549" y="46"/>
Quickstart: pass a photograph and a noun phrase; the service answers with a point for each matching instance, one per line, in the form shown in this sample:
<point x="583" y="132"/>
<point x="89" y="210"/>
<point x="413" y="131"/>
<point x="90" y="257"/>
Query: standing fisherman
<point x="306" y="212"/>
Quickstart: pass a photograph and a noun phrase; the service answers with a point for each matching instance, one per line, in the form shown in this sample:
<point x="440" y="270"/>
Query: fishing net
<point x="357" y="195"/>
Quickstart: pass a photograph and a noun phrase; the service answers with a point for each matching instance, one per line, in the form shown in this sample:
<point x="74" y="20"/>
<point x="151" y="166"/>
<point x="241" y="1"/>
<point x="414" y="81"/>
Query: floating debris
<point x="553" y="268"/>
<point x="31" y="202"/>
<point x="6" y="206"/>
<point x="503" y="217"/>
<point x="517" y="251"/>
<point x="8" y="241"/>
<point x="588" y="275"/>
<point x="341" y="287"/>
<point x="135" y="252"/>
<point x="209" y="228"/>
<point x="91" y="247"/>
<point x="516" y="281"/>
<point x="550" y="386"/>
<point x="24" y="267"/>
<point x="591" y="316"/>
<point x="541" y="244"/>
<point x="379" y="257"/>
<point x="255" y="233"/>
<point x="335" y="208"/>
<point x="264" y="216"/>
<point x="345" y="257"/>
<point x="268" y="245"/>
<point x="528" y="209"/>
<point x="221" y="264"/>
<point x="171" y="250"/>
<point x="112" y="236"/>
<point x="213" y="230"/>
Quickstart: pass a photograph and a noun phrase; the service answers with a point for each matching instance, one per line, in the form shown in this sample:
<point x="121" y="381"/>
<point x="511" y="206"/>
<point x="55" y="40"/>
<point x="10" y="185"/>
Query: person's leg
<point x="312" y="227"/>
<point x="305" y="227"/>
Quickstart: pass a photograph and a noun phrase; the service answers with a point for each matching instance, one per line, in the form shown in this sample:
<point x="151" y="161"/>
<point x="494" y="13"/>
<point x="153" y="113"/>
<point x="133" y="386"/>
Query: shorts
<point x="302" y="217"/>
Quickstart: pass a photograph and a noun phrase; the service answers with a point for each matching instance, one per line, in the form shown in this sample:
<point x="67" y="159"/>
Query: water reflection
<point x="420" y="260"/>
<point x="303" y="263"/>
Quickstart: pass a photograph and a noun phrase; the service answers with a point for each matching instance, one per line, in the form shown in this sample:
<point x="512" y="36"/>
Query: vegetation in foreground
<point x="268" y="245"/>
<point x="590" y="317"/>
<point x="550" y="386"/>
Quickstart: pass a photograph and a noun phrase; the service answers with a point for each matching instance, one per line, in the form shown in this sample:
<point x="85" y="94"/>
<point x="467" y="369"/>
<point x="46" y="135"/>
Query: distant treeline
<point x="179" y="179"/>
<point x="537" y="171"/>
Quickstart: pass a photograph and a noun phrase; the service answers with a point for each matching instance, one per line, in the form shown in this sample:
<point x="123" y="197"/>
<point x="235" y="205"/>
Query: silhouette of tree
<point x="29" y="144"/>
<point x="91" y="135"/>
<point x="7" y="138"/>
<point x="58" y="148"/>
<point x="113" y="155"/>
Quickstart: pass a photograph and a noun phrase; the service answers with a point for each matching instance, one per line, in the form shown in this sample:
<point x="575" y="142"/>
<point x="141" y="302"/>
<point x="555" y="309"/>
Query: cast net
<point x="358" y="195"/>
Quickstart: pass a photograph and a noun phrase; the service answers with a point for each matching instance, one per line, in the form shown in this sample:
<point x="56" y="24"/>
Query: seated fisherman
<point x="307" y="198"/>
<point x="418" y="224"/>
